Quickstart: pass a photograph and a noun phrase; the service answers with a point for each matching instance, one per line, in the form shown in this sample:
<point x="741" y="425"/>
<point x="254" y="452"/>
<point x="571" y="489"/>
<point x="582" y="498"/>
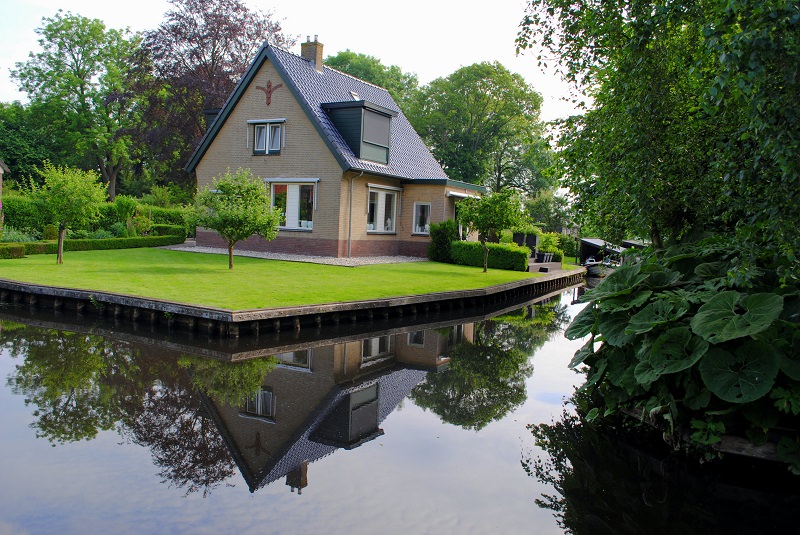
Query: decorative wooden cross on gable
<point x="269" y="90"/>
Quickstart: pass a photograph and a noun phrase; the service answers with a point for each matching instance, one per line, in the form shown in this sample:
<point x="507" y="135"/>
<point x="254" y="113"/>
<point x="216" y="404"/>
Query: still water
<point x="414" y="429"/>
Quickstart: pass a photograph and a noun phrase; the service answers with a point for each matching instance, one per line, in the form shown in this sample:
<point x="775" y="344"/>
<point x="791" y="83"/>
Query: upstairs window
<point x="267" y="137"/>
<point x="376" y="128"/>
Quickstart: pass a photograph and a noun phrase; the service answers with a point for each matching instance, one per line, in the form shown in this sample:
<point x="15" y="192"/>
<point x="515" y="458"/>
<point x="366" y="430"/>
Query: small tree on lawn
<point x="68" y="198"/>
<point x="494" y="211"/>
<point x="237" y="206"/>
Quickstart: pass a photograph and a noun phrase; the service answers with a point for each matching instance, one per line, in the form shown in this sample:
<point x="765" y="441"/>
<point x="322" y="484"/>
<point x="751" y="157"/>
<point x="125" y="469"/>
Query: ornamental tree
<point x="237" y="206"/>
<point x="68" y="198"/>
<point x="491" y="213"/>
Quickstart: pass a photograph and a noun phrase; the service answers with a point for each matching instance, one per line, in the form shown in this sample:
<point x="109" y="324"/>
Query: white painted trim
<point x="461" y="195"/>
<point x="265" y="121"/>
<point x="381" y="186"/>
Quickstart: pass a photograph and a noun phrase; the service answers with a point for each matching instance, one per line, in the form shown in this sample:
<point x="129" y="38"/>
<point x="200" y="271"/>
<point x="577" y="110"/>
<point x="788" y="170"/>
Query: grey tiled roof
<point x="409" y="157"/>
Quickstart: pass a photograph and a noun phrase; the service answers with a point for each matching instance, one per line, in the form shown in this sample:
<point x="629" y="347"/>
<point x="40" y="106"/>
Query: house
<point x="340" y="159"/>
<point x="327" y="397"/>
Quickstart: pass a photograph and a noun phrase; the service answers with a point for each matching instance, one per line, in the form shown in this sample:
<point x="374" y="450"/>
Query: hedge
<point x="167" y="216"/>
<point x="501" y="255"/>
<point x="51" y="247"/>
<point x="21" y="213"/>
<point x="12" y="250"/>
<point x="169" y="230"/>
<point x="442" y="234"/>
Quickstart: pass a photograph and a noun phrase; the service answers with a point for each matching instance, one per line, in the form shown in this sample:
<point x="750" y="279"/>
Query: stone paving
<point x="190" y="246"/>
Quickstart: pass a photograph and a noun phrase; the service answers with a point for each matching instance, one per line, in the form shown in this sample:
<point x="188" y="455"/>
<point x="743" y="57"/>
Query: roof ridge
<point x="324" y="66"/>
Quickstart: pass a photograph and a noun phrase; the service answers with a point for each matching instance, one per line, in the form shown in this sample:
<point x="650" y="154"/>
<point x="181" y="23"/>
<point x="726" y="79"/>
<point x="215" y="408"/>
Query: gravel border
<point x="329" y="260"/>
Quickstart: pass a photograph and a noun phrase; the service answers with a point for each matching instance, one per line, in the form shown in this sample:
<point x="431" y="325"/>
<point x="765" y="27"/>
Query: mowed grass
<point x="204" y="279"/>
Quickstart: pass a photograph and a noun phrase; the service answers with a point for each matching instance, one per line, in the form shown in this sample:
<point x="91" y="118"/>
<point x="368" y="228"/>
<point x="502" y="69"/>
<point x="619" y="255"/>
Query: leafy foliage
<point x="490" y="213"/>
<point x="68" y="198"/>
<point x="237" y="206"/>
<point x="683" y="344"/>
<point x="442" y="235"/>
<point x="79" y="83"/>
<point x="481" y="123"/>
<point x="401" y="85"/>
<point x="192" y="63"/>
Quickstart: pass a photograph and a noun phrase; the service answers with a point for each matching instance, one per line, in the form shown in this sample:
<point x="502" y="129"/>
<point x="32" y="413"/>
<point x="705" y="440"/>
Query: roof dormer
<point x="365" y="127"/>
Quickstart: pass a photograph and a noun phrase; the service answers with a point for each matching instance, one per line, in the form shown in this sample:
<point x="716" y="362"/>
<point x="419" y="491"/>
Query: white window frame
<point x="425" y="230"/>
<point x="292" y="215"/>
<point x="261" y="406"/>
<point x="379" y="226"/>
<point x="274" y="135"/>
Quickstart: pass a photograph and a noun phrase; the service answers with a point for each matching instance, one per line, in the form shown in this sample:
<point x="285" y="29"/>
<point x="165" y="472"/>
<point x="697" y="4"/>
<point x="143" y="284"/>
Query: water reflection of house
<point x="324" y="398"/>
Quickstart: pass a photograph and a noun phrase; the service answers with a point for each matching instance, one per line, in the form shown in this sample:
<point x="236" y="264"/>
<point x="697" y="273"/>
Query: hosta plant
<point x="683" y="341"/>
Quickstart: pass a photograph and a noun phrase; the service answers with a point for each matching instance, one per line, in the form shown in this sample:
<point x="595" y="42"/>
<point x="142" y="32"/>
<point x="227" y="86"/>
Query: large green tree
<point x="473" y="119"/>
<point x="694" y="116"/>
<point x="23" y="144"/>
<point x="79" y="83"/>
<point x="401" y="85"/>
<point x="237" y="206"/>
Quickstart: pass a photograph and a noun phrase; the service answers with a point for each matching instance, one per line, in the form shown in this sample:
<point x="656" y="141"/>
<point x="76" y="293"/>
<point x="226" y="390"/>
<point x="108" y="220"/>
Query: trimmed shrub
<point x="441" y="235"/>
<point x="50" y="232"/>
<point x="169" y="216"/>
<point x="102" y="244"/>
<point x="501" y="255"/>
<point x="169" y="230"/>
<point x="12" y="250"/>
<point x="119" y="230"/>
<point x="21" y="213"/>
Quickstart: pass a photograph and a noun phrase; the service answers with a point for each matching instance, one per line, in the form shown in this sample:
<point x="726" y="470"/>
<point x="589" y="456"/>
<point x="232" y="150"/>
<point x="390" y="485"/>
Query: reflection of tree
<point x="486" y="377"/>
<point x="66" y="377"/>
<point x="83" y="384"/>
<point x="606" y="482"/>
<point x="227" y="382"/>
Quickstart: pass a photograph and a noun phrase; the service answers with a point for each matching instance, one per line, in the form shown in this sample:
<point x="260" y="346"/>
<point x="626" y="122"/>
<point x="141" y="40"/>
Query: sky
<point x="432" y="38"/>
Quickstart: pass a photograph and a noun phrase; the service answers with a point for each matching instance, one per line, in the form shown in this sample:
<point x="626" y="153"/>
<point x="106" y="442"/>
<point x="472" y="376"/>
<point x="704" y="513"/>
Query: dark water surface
<point x="412" y="430"/>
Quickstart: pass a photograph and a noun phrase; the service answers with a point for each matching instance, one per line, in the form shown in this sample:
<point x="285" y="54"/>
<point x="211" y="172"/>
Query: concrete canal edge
<point x="231" y="324"/>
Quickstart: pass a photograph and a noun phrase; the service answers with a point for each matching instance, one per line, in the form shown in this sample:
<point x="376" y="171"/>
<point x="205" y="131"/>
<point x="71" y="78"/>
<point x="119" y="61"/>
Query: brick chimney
<point x="312" y="51"/>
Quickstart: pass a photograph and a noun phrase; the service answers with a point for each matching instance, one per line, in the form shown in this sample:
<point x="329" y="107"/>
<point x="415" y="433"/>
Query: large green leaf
<point x="729" y="315"/>
<point x="582" y="324"/>
<point x="657" y="313"/>
<point x="673" y="351"/>
<point x="740" y="377"/>
<point x="625" y="302"/>
<point x="612" y="328"/>
<point x="583" y="353"/>
<point x="621" y="281"/>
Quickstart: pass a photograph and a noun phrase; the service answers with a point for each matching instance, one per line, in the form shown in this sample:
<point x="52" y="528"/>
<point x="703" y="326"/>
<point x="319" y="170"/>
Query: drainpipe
<point x="350" y="222"/>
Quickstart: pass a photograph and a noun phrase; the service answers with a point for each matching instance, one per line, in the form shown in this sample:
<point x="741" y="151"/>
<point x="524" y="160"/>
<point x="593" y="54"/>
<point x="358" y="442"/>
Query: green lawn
<point x="204" y="279"/>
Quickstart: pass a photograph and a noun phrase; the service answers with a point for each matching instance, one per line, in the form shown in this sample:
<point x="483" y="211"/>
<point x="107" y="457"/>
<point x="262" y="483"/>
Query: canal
<point x="416" y="429"/>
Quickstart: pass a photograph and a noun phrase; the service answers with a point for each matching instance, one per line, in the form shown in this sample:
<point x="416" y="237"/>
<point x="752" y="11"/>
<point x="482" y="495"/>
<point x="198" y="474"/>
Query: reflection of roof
<point x="409" y="157"/>
<point x="393" y="387"/>
<point x="602" y="244"/>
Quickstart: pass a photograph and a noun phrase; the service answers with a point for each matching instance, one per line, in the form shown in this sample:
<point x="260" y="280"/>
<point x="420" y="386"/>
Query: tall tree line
<point x="130" y="105"/>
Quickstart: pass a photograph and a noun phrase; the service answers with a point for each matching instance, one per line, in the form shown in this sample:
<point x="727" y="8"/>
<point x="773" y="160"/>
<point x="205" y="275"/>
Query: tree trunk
<point x="485" y="255"/>
<point x="62" y="233"/>
<point x="230" y="256"/>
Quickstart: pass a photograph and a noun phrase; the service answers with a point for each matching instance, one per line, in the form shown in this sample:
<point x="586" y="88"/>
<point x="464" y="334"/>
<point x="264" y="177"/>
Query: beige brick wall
<point x="304" y="155"/>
